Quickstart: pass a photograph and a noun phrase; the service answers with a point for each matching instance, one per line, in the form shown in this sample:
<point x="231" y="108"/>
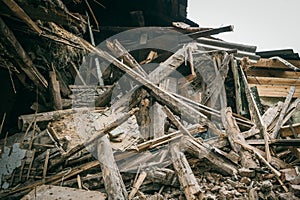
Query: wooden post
<point x="185" y="174"/>
<point x="54" y="91"/>
<point x="114" y="185"/>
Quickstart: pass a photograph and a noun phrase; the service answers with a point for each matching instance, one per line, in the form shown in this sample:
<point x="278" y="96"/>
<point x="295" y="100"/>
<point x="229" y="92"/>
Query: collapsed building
<point x="132" y="100"/>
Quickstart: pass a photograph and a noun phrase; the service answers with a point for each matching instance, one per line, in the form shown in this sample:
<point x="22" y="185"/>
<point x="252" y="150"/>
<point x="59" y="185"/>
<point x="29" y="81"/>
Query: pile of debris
<point x="155" y="113"/>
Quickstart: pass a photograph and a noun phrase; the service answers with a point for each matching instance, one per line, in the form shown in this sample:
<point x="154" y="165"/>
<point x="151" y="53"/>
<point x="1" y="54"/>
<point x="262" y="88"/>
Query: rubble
<point x="167" y="112"/>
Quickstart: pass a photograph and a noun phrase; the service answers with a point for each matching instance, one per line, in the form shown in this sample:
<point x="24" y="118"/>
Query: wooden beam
<point x="8" y="39"/>
<point x="54" y="91"/>
<point x="272" y="81"/>
<point x="20" y="13"/>
<point x="113" y="182"/>
<point x="120" y="52"/>
<point x="200" y="151"/>
<point x="286" y="104"/>
<point x="274" y="63"/>
<point x="185" y="174"/>
<point x="272" y="73"/>
<point x="255" y="115"/>
<point x="211" y="32"/>
<point x="275" y="90"/>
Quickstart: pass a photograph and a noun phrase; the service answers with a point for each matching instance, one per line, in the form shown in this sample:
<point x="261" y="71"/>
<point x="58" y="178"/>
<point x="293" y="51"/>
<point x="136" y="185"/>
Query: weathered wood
<point x="275" y="90"/>
<point x="276" y="142"/>
<point x="173" y="62"/>
<point x="151" y="56"/>
<point x="54" y="90"/>
<point x="225" y="44"/>
<point x="113" y="182"/>
<point x="201" y="152"/>
<point x="19" y="12"/>
<point x="274" y="74"/>
<point x="161" y="95"/>
<point x="240" y="108"/>
<point x="22" y="60"/>
<point x="234" y="134"/>
<point x="216" y="89"/>
<point x="51" y="179"/>
<point x="210" y="111"/>
<point x="249" y="147"/>
<point x="158" y="120"/>
<point x="93" y="138"/>
<point x="45" y="168"/>
<point x="263" y="80"/>
<point x="185" y="175"/>
<point x="137" y="185"/>
<point x="169" y="137"/>
<point x="176" y="122"/>
<point x="143" y="118"/>
<point x="257" y="100"/>
<point x="25" y="120"/>
<point x="120" y="52"/>
<point x="255" y="115"/>
<point x="153" y="75"/>
<point x="163" y="175"/>
<point x="286" y="104"/>
<point x="210" y="32"/>
<point x="276" y="63"/>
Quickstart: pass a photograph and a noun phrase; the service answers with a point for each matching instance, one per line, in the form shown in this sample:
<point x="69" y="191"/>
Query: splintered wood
<point x="127" y="120"/>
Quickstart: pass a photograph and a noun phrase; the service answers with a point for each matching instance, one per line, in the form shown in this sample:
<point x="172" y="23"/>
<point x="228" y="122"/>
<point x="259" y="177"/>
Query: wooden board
<point x="275" y="90"/>
<point x="272" y="81"/>
<point x="272" y="73"/>
<point x="274" y="63"/>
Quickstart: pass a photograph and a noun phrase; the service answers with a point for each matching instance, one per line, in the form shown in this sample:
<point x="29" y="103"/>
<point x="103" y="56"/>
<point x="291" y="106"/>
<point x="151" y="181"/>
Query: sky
<point x="267" y="24"/>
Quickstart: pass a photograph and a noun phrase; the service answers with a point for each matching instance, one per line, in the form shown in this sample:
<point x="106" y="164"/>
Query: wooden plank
<point x="275" y="90"/>
<point x="54" y="91"/>
<point x="234" y="134"/>
<point x="137" y="185"/>
<point x="272" y="73"/>
<point x="185" y="174"/>
<point x="200" y="151"/>
<point x="255" y="115"/>
<point x="286" y="104"/>
<point x="274" y="63"/>
<point x="113" y="182"/>
<point x="167" y="67"/>
<point x="272" y="81"/>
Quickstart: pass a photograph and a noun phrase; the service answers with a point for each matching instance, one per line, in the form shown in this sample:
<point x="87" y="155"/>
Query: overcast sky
<point x="267" y="24"/>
